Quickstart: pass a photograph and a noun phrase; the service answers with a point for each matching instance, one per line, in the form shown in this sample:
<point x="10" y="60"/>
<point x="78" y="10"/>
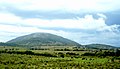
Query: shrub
<point x="29" y="52"/>
<point x="70" y="53"/>
<point x="88" y="54"/>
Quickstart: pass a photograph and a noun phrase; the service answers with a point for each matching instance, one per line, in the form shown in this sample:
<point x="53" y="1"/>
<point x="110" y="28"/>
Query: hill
<point x="99" y="46"/>
<point x="42" y="39"/>
<point x="7" y="44"/>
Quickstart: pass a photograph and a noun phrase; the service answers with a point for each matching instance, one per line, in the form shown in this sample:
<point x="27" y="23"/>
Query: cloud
<point x="87" y="22"/>
<point x="9" y="18"/>
<point x="112" y="28"/>
<point x="102" y="15"/>
<point x="21" y="29"/>
<point x="12" y="26"/>
<point x="63" y="5"/>
<point x="83" y="21"/>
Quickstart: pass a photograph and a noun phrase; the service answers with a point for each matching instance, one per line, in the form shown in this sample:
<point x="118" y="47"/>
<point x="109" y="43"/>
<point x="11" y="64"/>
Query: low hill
<point x="43" y="39"/>
<point x="99" y="46"/>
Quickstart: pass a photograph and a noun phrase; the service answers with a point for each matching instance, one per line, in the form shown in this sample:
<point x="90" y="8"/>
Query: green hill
<point x="43" y="39"/>
<point x="7" y="44"/>
<point x="99" y="46"/>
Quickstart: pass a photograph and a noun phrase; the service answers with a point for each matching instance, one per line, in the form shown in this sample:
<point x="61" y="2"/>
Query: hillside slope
<point x="7" y="44"/>
<point x="43" y="39"/>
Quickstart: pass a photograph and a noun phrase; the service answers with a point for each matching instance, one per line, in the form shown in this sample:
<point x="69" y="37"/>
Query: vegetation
<point x="7" y="44"/>
<point x="47" y="51"/>
<point x="103" y="53"/>
<point x="43" y="39"/>
<point x="28" y="59"/>
<point x="99" y="46"/>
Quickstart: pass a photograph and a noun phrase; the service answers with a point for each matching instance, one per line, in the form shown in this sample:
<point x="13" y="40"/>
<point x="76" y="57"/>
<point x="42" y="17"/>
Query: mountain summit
<point x="43" y="39"/>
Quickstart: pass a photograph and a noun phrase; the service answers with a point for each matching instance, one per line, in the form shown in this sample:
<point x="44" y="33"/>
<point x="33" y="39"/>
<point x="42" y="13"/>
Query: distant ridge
<point x="43" y="39"/>
<point x="100" y="46"/>
<point x="47" y="39"/>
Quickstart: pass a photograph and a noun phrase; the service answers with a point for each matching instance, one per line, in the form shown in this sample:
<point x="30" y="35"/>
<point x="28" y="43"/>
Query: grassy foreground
<point x="18" y="61"/>
<point x="52" y="58"/>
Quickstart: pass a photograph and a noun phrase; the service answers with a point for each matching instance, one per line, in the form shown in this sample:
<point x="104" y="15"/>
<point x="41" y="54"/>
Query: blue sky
<point x="84" y="21"/>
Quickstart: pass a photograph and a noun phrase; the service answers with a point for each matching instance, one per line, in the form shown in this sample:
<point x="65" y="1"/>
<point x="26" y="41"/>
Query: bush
<point x="62" y="55"/>
<point x="104" y="54"/>
<point x="70" y="53"/>
<point x="29" y="52"/>
<point x="88" y="54"/>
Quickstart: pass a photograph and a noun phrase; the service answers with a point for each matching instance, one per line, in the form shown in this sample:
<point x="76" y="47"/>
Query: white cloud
<point x="102" y="15"/>
<point x="83" y="23"/>
<point x="9" y="18"/>
<point x="63" y="5"/>
<point x="112" y="28"/>
<point x="87" y="22"/>
<point x="20" y="29"/>
<point x="18" y="26"/>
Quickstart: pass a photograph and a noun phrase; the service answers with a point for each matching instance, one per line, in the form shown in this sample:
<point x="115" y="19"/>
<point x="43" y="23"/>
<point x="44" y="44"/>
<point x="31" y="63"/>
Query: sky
<point x="83" y="21"/>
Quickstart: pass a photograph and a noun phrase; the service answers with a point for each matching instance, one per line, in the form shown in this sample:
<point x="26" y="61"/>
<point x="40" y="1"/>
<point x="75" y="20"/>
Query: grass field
<point x="25" y="61"/>
<point x="17" y="61"/>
